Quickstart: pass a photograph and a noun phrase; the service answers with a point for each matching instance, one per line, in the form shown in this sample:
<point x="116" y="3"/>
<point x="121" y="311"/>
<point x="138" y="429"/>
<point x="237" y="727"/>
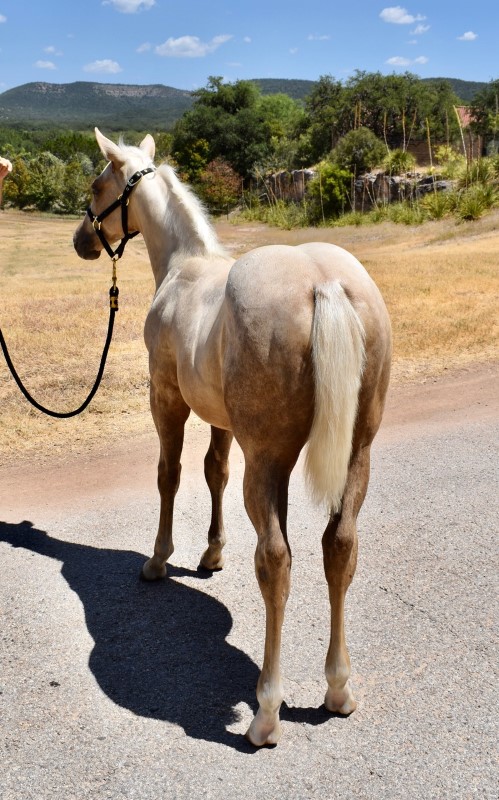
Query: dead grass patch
<point x="439" y="281"/>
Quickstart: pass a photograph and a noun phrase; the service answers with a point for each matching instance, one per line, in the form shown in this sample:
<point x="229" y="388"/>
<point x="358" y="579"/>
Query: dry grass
<point x="439" y="281"/>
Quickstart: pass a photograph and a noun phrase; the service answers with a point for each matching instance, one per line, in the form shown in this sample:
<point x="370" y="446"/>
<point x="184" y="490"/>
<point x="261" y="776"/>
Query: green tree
<point x="35" y="181"/>
<point x="75" y="192"/>
<point x="359" y="151"/>
<point x="485" y="111"/>
<point x="327" y="115"/>
<point x="230" y="119"/>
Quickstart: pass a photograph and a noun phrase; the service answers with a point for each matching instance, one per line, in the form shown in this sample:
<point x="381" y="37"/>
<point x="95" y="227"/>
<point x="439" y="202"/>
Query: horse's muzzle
<point x="86" y="243"/>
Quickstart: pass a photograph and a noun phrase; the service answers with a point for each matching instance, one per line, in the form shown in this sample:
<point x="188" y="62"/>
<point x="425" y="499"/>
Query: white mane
<point x="186" y="215"/>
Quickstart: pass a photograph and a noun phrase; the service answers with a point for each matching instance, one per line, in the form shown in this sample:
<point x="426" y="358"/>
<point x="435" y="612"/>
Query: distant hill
<point x="82" y="105"/>
<point x="120" y="107"/>
<point x="297" y="89"/>
<point x="465" y="90"/>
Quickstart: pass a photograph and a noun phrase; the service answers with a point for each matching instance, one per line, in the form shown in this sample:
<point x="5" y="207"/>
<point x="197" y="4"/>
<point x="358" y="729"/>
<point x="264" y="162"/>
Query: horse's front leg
<point x="216" y="470"/>
<point x="170" y="413"/>
<point x="265" y="490"/>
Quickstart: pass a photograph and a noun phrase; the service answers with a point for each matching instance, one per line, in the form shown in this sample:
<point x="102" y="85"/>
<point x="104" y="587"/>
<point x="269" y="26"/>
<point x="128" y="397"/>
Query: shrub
<point x="327" y="193"/>
<point x="436" y="204"/>
<point x="406" y="213"/>
<point x="398" y="162"/>
<point x="475" y="201"/>
<point x="219" y="186"/>
<point x="359" y="151"/>
<point x="356" y="218"/>
<point x="451" y="163"/>
<point x="479" y="171"/>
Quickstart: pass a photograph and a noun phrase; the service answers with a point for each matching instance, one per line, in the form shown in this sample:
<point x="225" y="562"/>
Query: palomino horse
<point x="285" y="347"/>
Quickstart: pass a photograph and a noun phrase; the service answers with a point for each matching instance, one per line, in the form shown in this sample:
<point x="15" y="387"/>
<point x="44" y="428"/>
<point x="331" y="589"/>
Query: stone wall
<point x="378" y="188"/>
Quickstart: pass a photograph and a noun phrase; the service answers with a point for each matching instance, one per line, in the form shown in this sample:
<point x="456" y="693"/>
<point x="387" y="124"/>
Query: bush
<point x="406" y="213"/>
<point x="436" y="204"/>
<point x="327" y="193"/>
<point x="359" y="151"/>
<point x="35" y="182"/>
<point x="451" y="163"/>
<point x="479" y="171"/>
<point x="75" y="192"/>
<point x="398" y="162"/>
<point x="219" y="186"/>
<point x="475" y="201"/>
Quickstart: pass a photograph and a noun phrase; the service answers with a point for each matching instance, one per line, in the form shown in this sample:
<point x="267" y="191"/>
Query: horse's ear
<point x="148" y="146"/>
<point x="109" y="149"/>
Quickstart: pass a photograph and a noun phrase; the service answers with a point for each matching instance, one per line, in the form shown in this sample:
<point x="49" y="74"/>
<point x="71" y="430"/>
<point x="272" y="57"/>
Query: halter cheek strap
<point x="122" y="201"/>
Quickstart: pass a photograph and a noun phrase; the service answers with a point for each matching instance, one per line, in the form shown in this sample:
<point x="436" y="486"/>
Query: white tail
<point x="338" y="361"/>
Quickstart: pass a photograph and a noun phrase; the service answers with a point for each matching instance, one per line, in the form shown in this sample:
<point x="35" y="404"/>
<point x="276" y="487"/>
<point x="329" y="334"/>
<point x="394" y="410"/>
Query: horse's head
<point x="124" y="162"/>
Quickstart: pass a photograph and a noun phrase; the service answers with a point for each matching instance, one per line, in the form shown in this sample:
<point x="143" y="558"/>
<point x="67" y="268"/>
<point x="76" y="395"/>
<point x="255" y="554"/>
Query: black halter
<point x="122" y="201"/>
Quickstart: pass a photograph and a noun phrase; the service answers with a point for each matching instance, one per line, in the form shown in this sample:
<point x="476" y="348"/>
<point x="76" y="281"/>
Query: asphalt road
<point x="114" y="688"/>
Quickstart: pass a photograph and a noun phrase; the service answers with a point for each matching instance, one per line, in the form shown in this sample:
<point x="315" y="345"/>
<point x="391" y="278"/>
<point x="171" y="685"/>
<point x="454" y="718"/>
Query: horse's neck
<point x="174" y="224"/>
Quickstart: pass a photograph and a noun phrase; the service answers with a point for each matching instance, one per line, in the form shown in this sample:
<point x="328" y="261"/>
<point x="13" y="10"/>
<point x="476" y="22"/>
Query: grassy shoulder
<point x="439" y="281"/>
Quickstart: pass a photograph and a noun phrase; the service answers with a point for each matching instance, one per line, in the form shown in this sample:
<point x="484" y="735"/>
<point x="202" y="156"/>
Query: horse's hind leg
<point x="170" y="414"/>
<point x="216" y="470"/>
<point x="265" y="492"/>
<point x="339" y="545"/>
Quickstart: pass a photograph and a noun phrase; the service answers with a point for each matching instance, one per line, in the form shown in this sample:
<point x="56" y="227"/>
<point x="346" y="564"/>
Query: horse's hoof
<point x="340" y="701"/>
<point x="212" y="563"/>
<point x="151" y="571"/>
<point x="261" y="734"/>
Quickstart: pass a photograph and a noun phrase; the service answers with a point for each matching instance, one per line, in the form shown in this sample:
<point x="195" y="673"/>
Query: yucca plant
<point x="479" y="171"/>
<point x="398" y="162"/>
<point x="436" y="205"/>
<point x="475" y="201"/>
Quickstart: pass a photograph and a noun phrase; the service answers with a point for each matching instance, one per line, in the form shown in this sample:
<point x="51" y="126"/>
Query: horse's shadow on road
<point x="160" y="648"/>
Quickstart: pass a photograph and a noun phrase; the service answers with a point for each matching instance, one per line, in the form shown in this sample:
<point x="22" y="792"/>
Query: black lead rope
<point x="96" y="220"/>
<point x="65" y="414"/>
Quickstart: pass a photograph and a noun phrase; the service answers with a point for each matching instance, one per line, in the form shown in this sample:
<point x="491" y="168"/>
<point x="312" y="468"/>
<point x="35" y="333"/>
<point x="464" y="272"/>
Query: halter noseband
<point x="122" y="201"/>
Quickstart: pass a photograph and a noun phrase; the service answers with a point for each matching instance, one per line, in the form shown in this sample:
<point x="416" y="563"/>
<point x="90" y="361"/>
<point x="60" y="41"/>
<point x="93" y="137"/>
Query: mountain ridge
<point x="116" y="106"/>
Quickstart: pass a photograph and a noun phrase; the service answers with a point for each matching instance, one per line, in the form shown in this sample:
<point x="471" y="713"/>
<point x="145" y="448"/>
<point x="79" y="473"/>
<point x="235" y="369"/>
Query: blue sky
<point x="181" y="43"/>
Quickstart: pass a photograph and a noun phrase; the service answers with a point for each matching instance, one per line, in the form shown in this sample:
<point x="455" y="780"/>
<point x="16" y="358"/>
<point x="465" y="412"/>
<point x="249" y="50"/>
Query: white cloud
<point x="129" y="6"/>
<point x="51" y="50"/>
<point x="293" y="51"/>
<point x="45" y="65"/>
<point x="401" y="61"/>
<point x="3" y="18"/>
<point x="143" y="48"/>
<point x="190" y="46"/>
<point x="247" y="39"/>
<point x="419" y="29"/>
<point x="314" y="37"/>
<point x="105" y="65"/>
<point x="469" y="36"/>
<point x="400" y="16"/>
<point x="398" y="61"/>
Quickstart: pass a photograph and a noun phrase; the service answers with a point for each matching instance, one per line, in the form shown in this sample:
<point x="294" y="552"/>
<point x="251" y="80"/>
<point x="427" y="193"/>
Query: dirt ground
<point x="412" y="410"/>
